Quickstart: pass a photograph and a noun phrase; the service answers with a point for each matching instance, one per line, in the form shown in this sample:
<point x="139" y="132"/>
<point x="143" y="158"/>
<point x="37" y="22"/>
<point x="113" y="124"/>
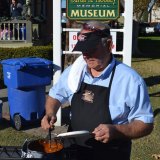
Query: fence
<point x="16" y="30"/>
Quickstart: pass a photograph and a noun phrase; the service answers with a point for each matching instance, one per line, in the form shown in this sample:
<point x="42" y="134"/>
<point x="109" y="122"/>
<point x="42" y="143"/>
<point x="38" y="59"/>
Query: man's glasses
<point x="90" y="28"/>
<point x="103" y="33"/>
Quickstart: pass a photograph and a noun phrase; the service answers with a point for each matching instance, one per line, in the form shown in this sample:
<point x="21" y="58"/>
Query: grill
<point x="10" y="152"/>
<point x="15" y="153"/>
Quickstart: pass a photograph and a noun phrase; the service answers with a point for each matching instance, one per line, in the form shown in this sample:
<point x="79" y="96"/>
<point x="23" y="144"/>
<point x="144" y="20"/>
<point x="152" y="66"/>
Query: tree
<point x="139" y="7"/>
<point x="157" y="3"/>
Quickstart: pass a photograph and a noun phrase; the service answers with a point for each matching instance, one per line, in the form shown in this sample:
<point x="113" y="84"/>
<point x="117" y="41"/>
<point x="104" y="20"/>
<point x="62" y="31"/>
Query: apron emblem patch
<point x="88" y="96"/>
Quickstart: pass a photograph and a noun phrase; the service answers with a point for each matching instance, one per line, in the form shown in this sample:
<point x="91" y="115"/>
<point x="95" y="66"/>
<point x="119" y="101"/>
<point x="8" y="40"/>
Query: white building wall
<point x="155" y="14"/>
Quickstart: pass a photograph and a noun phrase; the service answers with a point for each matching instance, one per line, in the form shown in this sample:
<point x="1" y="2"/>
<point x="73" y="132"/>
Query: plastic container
<point x="1" y="104"/>
<point x="26" y="79"/>
<point x="27" y="105"/>
<point x="27" y="72"/>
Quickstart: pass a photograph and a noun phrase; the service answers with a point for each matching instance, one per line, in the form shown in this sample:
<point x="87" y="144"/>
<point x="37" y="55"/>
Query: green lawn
<point x="148" y="65"/>
<point x="149" y="69"/>
<point x="150" y="38"/>
<point x="149" y="45"/>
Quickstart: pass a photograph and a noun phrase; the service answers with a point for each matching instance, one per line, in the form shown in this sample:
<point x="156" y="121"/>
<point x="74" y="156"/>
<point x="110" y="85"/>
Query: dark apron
<point x="89" y="108"/>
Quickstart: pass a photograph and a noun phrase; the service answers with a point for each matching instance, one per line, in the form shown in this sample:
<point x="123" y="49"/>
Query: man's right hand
<point x="48" y="121"/>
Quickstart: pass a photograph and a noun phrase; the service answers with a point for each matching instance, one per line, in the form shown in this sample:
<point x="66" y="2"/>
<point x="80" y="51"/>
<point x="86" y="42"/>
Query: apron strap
<point x="110" y="83"/>
<point x="113" y="71"/>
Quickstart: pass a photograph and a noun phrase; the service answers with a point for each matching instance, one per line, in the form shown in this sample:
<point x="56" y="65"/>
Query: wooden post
<point x="57" y="42"/>
<point x="128" y="26"/>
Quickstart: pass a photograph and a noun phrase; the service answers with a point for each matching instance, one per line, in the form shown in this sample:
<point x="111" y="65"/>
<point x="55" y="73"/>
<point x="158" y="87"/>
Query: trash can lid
<point x="27" y="61"/>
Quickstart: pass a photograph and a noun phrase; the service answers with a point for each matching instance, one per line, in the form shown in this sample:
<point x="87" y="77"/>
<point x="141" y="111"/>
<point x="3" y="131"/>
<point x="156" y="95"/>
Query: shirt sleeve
<point x="60" y="90"/>
<point x="140" y="107"/>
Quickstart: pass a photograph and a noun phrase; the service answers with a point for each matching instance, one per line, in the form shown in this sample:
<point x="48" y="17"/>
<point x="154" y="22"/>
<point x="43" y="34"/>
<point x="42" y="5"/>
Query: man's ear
<point x="109" y="45"/>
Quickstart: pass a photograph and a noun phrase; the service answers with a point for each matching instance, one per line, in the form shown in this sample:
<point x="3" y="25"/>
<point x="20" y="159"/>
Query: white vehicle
<point x="149" y="30"/>
<point x="145" y="28"/>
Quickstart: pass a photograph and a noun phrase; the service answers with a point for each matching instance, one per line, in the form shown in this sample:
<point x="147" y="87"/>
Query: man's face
<point x="96" y="58"/>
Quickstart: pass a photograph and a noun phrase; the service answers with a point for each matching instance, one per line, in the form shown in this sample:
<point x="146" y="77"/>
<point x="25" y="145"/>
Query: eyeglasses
<point x="87" y="26"/>
<point x="103" y="33"/>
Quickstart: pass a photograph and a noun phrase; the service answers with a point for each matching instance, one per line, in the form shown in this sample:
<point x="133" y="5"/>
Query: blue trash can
<point x="26" y="80"/>
<point x="27" y="72"/>
<point x="1" y="104"/>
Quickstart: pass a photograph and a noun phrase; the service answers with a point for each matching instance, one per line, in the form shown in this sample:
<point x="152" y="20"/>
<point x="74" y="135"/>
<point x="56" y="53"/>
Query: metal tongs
<point x="49" y="133"/>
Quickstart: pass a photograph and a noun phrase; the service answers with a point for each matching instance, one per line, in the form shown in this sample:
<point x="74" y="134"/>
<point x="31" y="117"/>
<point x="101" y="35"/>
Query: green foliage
<point x="36" y="51"/>
<point x="140" y="5"/>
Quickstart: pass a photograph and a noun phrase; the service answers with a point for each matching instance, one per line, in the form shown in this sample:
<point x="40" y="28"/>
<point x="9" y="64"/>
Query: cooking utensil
<point x="50" y="136"/>
<point x="73" y="134"/>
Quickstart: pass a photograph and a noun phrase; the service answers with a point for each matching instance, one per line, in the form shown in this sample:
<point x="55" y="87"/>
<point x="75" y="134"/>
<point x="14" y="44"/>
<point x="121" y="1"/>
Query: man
<point x="107" y="98"/>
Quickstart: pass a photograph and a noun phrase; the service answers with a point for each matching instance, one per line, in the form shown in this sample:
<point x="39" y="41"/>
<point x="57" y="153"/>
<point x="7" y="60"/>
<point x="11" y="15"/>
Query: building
<point x="154" y="15"/>
<point x="34" y="26"/>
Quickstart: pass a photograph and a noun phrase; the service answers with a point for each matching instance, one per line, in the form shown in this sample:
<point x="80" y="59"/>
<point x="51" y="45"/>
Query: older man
<point x="107" y="97"/>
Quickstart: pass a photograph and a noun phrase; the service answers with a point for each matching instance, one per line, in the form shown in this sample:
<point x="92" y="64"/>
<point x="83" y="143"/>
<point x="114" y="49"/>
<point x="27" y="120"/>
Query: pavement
<point x="35" y="129"/>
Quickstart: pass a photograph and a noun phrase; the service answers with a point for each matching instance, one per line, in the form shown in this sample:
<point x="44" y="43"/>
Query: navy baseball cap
<point x="88" y="42"/>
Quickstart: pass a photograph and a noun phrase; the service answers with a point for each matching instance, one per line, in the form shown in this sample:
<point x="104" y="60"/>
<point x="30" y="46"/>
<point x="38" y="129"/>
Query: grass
<point x="147" y="65"/>
<point x="150" y="45"/>
<point x="149" y="68"/>
<point x="12" y="137"/>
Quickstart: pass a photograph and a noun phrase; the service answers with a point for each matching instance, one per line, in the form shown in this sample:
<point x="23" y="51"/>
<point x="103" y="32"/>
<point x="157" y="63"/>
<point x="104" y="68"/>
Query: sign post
<point x="57" y="43"/>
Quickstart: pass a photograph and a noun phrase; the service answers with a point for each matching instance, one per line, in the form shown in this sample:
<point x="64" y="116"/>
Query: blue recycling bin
<point x="27" y="72"/>
<point x="1" y="104"/>
<point x="26" y="80"/>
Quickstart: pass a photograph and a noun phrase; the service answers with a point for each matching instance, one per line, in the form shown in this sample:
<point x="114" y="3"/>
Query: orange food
<point x="52" y="147"/>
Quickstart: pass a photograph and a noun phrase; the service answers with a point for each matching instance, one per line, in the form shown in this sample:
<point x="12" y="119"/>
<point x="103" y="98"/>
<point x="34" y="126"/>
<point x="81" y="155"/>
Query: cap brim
<point x="88" y="45"/>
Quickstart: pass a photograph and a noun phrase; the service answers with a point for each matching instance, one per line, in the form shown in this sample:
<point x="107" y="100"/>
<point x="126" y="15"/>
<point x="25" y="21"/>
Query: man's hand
<point x="48" y="121"/>
<point x="104" y="132"/>
<point x="133" y="130"/>
<point x="52" y="105"/>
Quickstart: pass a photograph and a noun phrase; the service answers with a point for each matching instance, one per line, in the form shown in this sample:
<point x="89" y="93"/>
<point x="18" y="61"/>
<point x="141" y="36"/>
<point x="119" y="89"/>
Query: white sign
<point x="73" y="40"/>
<point x="114" y="37"/>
